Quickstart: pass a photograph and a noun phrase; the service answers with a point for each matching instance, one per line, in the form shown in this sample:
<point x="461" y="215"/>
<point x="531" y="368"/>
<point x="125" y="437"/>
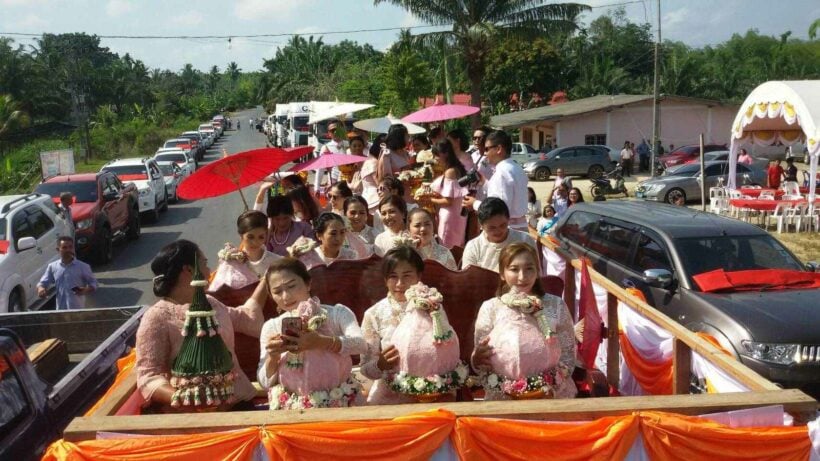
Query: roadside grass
<point x="805" y="245"/>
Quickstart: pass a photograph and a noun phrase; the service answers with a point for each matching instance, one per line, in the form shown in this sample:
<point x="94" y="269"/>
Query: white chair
<point x="766" y="195"/>
<point x="803" y="217"/>
<point x="734" y="194"/>
<point x="790" y="188"/>
<point x="794" y="215"/>
<point x="813" y="216"/>
<point x="779" y="214"/>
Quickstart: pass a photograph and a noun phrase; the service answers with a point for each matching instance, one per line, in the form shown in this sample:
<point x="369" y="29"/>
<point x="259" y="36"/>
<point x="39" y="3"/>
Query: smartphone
<point x="291" y="326"/>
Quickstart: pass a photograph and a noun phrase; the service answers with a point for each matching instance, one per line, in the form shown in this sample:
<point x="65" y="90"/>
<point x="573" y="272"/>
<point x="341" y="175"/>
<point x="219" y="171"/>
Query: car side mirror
<point x="26" y="243"/>
<point x="813" y="266"/>
<point x="659" y="278"/>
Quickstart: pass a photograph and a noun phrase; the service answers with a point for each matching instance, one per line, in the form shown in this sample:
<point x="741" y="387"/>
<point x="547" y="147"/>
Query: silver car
<point x="172" y="174"/>
<point x="591" y="161"/>
<point x="684" y="180"/>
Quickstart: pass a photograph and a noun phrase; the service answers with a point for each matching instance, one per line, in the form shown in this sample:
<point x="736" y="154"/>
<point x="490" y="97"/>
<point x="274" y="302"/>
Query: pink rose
<point x="283" y="398"/>
<point x="549" y="379"/>
<point x="520" y="385"/>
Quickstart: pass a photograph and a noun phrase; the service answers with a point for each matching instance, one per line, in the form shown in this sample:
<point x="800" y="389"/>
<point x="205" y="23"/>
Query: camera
<point x="469" y="179"/>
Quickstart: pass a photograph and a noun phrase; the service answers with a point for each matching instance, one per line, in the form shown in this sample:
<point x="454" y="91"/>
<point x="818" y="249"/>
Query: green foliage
<point x="405" y="78"/>
<point x="21" y="166"/>
<point x="523" y="67"/>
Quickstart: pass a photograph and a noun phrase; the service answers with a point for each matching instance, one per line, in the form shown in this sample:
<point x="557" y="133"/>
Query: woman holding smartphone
<point x="306" y="352"/>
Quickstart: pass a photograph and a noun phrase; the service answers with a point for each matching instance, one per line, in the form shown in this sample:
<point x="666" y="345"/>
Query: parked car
<point x="205" y="140"/>
<point x="173" y="176"/>
<point x="685" y="153"/>
<point x="185" y="163"/>
<point x="208" y="129"/>
<point x="659" y="248"/>
<point x="684" y="180"/>
<point x="29" y="228"/>
<point x="145" y="174"/>
<point x="181" y="143"/>
<point x="197" y="144"/>
<point x="104" y="210"/>
<point x="762" y="162"/>
<point x="43" y="389"/>
<point x="591" y="161"/>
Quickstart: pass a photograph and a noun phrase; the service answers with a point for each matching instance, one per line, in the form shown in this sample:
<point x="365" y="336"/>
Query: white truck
<point x="297" y="124"/>
<point x="279" y="130"/>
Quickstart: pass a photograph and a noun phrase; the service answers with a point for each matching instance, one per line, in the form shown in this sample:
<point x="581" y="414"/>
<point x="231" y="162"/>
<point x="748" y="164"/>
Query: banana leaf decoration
<point x="202" y="372"/>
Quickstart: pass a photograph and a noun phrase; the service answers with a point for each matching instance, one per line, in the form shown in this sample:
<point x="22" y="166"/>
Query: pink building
<point x="611" y="120"/>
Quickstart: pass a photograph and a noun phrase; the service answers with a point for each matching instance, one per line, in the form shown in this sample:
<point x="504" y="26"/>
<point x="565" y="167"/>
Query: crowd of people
<point x="288" y="232"/>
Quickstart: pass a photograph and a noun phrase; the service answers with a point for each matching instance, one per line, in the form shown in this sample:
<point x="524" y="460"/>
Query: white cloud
<point x="10" y="3"/>
<point x="118" y="7"/>
<point x="675" y="18"/>
<point x="190" y="18"/>
<point x="255" y="10"/>
<point x="409" y="21"/>
<point x="31" y="22"/>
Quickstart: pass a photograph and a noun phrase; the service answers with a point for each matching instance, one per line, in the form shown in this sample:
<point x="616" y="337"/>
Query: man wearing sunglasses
<point x="508" y="182"/>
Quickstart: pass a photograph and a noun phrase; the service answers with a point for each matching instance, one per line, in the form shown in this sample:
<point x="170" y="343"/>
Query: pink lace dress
<point x="519" y="347"/>
<point x="316" y="257"/>
<point x="159" y="339"/>
<point x="451" y="224"/>
<point x="439" y="253"/>
<point x="378" y="325"/>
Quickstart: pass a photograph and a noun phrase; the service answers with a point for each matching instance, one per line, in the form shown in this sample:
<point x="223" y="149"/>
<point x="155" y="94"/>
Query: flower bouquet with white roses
<point x="430" y="386"/>
<point x="528" y="304"/>
<point x="537" y="386"/>
<point x="233" y="270"/>
<point x="301" y="246"/>
<point x="341" y="396"/>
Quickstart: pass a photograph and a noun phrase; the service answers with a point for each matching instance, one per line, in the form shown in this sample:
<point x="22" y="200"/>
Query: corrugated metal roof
<point x="578" y="107"/>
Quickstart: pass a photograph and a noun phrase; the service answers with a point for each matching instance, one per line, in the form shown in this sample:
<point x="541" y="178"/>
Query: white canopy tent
<point x="784" y="111"/>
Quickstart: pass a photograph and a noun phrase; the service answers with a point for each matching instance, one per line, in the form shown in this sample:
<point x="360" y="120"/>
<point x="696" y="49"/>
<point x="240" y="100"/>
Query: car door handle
<point x="39" y="251"/>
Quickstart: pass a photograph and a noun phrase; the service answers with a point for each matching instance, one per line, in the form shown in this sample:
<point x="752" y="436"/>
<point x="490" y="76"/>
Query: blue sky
<point x="695" y="22"/>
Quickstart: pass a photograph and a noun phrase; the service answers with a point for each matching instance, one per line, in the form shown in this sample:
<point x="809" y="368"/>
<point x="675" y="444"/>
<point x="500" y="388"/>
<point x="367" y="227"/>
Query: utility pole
<point x="656" y="109"/>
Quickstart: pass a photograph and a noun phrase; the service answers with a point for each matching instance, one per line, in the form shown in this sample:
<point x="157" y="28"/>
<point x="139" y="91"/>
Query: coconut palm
<point x="476" y="25"/>
<point x="11" y="116"/>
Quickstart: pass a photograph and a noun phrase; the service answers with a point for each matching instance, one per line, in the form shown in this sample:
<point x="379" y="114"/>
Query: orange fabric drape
<point x="669" y="436"/>
<point x="234" y="445"/>
<point x="412" y="437"/>
<point x="124" y="365"/>
<point x="654" y="378"/>
<point x="504" y="439"/>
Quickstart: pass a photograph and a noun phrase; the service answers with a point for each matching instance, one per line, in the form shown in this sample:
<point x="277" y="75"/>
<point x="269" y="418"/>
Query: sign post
<point x="57" y="162"/>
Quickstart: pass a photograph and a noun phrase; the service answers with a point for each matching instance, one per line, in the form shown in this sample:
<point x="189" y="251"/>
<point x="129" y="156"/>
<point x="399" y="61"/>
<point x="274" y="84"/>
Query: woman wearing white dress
<point x="331" y="231"/>
<point x="393" y="211"/>
<point x="421" y="229"/>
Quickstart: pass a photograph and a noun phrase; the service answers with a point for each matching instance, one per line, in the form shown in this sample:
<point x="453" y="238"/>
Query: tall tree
<point x="477" y="25"/>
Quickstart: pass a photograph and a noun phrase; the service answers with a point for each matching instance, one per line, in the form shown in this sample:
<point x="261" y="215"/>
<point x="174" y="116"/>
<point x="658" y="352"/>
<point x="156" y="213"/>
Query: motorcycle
<point x="602" y="186"/>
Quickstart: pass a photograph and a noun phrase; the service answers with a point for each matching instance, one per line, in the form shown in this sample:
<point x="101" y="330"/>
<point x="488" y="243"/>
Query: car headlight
<point x="782" y="354"/>
<point x="144" y="192"/>
<point x="85" y="223"/>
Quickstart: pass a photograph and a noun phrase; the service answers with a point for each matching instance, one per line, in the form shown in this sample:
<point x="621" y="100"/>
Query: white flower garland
<point x="339" y="397"/>
<point x="429" y="299"/>
<point x="231" y="253"/>
<point x="531" y="305"/>
<point x="433" y="384"/>
<point x="301" y="246"/>
<point x="547" y="382"/>
<point x="295" y="360"/>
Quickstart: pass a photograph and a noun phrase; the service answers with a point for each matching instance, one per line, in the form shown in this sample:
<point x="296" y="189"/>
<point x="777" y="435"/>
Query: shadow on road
<point x="110" y="294"/>
<point x="179" y="214"/>
<point x="138" y="253"/>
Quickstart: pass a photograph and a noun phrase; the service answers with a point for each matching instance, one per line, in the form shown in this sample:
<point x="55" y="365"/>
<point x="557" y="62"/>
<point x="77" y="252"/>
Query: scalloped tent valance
<point x="779" y="111"/>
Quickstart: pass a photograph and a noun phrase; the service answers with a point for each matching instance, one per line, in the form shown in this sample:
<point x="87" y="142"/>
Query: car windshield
<point x="167" y="169"/>
<point x="129" y="172"/>
<point x="176" y="142"/>
<point x="83" y="191"/>
<point x="734" y="253"/>
<point x="179" y="158"/>
<point x="684" y="170"/>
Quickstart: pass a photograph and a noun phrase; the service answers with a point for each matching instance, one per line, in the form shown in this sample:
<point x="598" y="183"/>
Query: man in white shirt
<point x="508" y="182"/>
<point x="334" y="146"/>
<point x="483" y="251"/>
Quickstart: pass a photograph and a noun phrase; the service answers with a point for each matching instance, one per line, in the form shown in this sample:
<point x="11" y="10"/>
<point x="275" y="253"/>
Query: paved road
<point x="210" y="223"/>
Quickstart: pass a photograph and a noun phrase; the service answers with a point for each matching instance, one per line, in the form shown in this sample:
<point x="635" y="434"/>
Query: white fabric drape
<point x="652" y="342"/>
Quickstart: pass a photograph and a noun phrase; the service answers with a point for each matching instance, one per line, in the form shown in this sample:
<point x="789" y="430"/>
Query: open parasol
<point x="328" y="161"/>
<point x="382" y="125"/>
<point x="234" y="172"/>
<point x="339" y="109"/>
<point x="439" y="112"/>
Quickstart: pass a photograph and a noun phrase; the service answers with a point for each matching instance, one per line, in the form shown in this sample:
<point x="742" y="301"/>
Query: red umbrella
<point x="440" y="111"/>
<point x="328" y="161"/>
<point x="234" y="172"/>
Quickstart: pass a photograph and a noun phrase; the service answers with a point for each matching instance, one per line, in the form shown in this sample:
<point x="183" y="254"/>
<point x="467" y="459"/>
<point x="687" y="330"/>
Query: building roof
<point x="458" y="98"/>
<point x="579" y="107"/>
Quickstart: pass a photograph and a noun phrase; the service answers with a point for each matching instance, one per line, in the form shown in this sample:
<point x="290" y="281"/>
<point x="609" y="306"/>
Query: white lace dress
<point x="439" y="253"/>
<point x="494" y="312"/>
<point x="316" y="257"/>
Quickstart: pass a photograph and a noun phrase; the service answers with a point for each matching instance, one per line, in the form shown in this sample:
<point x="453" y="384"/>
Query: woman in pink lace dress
<point x="524" y="339"/>
<point x="420" y="226"/>
<point x="159" y="337"/>
<point x="452" y="225"/>
<point x="305" y="359"/>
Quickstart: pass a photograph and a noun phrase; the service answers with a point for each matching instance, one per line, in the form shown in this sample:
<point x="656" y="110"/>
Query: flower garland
<point x="339" y="397"/>
<point x="433" y="384"/>
<point x="314" y="322"/>
<point x="529" y="304"/>
<point x="231" y="253"/>
<point x="428" y="299"/>
<point x="301" y="246"/>
<point x="547" y="382"/>
<point x="216" y="388"/>
<point x="404" y="239"/>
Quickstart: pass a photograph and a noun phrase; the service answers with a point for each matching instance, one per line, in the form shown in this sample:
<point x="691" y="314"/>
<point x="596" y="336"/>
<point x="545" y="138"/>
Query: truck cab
<point x="297" y="122"/>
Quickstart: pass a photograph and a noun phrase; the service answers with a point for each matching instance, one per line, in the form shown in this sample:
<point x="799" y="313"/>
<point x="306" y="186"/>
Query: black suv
<point x="659" y="248"/>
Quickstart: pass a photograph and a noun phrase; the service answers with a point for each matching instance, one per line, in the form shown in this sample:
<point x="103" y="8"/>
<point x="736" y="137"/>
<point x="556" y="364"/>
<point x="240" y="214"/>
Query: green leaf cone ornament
<point x="202" y="372"/>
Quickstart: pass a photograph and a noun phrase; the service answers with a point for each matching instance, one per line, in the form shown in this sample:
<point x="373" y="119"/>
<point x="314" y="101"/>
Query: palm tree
<point x="476" y="25"/>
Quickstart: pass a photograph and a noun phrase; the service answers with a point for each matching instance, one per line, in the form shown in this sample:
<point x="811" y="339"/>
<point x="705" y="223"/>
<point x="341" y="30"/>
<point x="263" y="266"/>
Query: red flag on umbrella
<point x="589" y="314"/>
<point x="234" y="172"/>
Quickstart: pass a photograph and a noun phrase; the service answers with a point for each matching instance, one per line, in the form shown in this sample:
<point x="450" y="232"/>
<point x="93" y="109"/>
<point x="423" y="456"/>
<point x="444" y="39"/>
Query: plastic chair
<point x="794" y="215"/>
<point x="813" y="216"/>
<point x="766" y="195"/>
<point x="803" y="217"/>
<point x="779" y="214"/>
<point x="790" y="188"/>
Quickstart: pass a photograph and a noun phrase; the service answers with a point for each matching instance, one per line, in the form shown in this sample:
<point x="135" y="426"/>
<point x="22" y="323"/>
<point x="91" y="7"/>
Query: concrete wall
<point x="681" y="123"/>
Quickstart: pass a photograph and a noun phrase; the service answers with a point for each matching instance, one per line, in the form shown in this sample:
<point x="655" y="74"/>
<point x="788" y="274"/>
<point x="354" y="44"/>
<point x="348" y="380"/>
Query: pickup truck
<point x="104" y="209"/>
<point x="53" y="366"/>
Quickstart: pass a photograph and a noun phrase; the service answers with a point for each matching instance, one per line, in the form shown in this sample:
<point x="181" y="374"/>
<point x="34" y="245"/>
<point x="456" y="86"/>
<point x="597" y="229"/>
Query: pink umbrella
<point x="439" y="112"/>
<point x="328" y="161"/>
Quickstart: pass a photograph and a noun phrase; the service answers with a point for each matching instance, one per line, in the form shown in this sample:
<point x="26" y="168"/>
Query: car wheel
<point x="134" y="229"/>
<point x="542" y="174"/>
<point x="595" y="171"/>
<point x="153" y="215"/>
<point x="175" y="198"/>
<point x="596" y="191"/>
<point x="673" y="195"/>
<point x="105" y="248"/>
<point x="15" y="301"/>
<point x="164" y="206"/>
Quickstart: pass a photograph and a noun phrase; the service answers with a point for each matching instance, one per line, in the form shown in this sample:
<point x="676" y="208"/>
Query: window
<point x="579" y="227"/>
<point x="109" y="185"/>
<point x="584" y="152"/>
<point x="650" y="254"/>
<point x="39" y="222"/>
<point x="713" y="170"/>
<point x="591" y="139"/>
<point x="20" y="227"/>
<point x="13" y="402"/>
<point x="613" y="241"/>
